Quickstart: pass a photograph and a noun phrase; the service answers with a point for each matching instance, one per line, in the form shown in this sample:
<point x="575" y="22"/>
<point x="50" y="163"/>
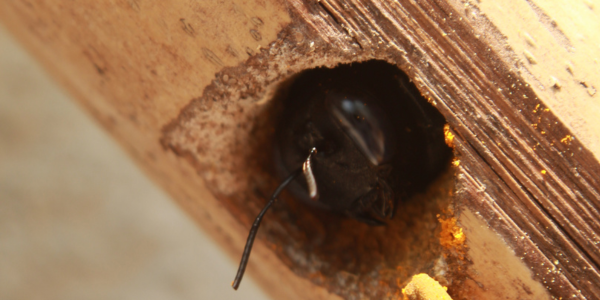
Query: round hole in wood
<point x="331" y="240"/>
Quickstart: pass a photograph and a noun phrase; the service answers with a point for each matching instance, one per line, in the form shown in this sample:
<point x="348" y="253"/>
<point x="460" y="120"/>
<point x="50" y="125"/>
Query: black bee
<point x="363" y="137"/>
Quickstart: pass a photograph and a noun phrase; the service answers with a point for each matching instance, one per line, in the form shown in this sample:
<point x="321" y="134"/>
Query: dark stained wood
<point x="519" y="168"/>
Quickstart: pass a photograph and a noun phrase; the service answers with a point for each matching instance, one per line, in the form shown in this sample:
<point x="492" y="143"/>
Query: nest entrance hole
<point x="339" y="252"/>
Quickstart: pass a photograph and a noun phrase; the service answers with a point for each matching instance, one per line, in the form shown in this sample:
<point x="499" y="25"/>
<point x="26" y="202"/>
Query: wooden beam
<point x="188" y="89"/>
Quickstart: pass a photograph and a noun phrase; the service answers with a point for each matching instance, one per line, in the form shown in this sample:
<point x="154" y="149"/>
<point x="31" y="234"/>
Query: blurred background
<point x="78" y="220"/>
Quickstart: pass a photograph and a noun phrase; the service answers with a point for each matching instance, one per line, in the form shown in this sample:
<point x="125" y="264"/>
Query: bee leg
<point x="365" y="202"/>
<point x="386" y="196"/>
<point x="362" y="207"/>
<point x="395" y="208"/>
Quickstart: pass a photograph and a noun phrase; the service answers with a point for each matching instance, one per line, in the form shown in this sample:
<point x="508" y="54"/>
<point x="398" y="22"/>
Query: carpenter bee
<point x="364" y="139"/>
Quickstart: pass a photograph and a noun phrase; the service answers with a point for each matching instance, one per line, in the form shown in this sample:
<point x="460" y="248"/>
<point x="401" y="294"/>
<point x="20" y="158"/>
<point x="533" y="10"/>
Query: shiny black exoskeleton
<point x="377" y="139"/>
<point x="364" y="138"/>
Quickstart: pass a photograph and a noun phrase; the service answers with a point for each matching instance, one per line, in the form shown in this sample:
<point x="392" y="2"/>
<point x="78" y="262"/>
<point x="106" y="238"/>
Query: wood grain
<point x="190" y="89"/>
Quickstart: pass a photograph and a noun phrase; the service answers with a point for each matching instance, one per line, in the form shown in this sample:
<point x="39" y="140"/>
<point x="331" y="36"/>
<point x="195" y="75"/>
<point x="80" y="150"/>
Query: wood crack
<point x="329" y="11"/>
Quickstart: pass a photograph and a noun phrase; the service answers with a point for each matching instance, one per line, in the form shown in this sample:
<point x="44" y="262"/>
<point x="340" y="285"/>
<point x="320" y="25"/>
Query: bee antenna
<point x="254" y="229"/>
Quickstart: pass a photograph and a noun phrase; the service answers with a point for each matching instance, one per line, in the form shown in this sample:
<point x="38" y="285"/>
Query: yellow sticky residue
<point x="448" y="135"/>
<point x="567" y="139"/>
<point x="421" y="287"/>
<point x="456" y="162"/>
<point x="459" y="235"/>
<point x="543" y="172"/>
<point x="452" y="236"/>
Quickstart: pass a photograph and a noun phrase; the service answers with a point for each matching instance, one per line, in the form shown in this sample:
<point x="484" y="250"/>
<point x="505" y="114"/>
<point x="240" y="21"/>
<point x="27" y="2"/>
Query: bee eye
<point x="359" y="117"/>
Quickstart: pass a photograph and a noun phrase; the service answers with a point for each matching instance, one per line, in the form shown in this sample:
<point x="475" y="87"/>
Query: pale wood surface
<point x="552" y="43"/>
<point x="78" y="219"/>
<point x="136" y="65"/>
<point x="134" y="68"/>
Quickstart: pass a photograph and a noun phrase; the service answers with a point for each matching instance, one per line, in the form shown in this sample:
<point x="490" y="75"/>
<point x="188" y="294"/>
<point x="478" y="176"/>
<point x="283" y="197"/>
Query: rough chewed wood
<point x="520" y="167"/>
<point x="167" y="80"/>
